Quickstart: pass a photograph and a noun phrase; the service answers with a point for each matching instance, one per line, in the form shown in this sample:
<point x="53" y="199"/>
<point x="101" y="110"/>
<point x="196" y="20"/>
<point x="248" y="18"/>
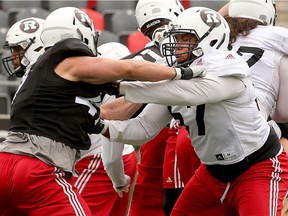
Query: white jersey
<point x="225" y="124"/>
<point x="263" y="49"/>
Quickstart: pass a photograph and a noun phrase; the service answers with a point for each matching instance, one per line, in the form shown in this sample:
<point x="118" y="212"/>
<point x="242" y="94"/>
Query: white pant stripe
<point x="274" y="186"/>
<point x="87" y="173"/>
<point x="67" y="188"/>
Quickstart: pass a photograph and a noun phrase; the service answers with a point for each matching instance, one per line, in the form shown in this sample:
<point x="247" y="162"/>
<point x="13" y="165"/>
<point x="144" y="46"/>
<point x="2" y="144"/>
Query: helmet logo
<point x="210" y="18"/>
<point x="83" y="18"/>
<point x="29" y="26"/>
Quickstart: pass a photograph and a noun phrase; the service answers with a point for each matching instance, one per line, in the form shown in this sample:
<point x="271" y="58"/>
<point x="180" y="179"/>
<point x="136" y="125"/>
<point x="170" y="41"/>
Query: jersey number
<point x="257" y="53"/>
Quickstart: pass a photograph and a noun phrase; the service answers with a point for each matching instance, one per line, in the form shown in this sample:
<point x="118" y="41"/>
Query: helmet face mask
<point x="209" y="29"/>
<point x="69" y="22"/>
<point x="23" y="40"/>
<point x="263" y="11"/>
<point x="181" y="47"/>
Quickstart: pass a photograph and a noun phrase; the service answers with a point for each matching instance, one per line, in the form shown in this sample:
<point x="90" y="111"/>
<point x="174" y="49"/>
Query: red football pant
<point x="96" y="187"/>
<point x="31" y="187"/>
<point x="148" y="192"/>
<point x="258" y="191"/>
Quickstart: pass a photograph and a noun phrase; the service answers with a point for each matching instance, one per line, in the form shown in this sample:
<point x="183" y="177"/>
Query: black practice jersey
<point x="50" y="106"/>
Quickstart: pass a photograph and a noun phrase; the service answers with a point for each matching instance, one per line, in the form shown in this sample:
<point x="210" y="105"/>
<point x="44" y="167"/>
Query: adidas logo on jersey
<point x="229" y="56"/>
<point x="169" y="179"/>
<point x="199" y="62"/>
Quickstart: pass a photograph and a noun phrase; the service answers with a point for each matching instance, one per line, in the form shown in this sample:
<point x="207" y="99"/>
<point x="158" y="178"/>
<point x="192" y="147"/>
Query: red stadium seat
<point x="97" y="18"/>
<point x="136" y="41"/>
<point x="91" y="4"/>
<point x="185" y="3"/>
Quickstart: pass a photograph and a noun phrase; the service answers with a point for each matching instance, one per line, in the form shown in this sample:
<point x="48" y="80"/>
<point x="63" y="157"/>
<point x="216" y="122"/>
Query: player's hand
<point x="186" y="73"/>
<point x="100" y="126"/>
<point x="112" y="88"/>
<point x="124" y="188"/>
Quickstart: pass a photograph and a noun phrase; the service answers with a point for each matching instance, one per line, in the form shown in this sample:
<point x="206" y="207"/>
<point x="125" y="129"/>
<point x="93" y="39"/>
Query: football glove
<point x="100" y="126"/>
<point x="112" y="88"/>
<point x="186" y="73"/>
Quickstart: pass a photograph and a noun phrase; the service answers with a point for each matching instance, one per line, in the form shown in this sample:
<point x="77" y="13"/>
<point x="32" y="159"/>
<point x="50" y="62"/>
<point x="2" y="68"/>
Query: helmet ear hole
<point x="213" y="42"/>
<point x="86" y="41"/>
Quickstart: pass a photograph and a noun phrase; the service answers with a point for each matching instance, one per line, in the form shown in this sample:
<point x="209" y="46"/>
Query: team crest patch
<point x="210" y="17"/>
<point x="29" y="25"/>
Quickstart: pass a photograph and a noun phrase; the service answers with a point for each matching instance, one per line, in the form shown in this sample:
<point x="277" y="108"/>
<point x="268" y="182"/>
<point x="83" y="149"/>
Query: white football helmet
<point x="69" y="22"/>
<point x="151" y="13"/>
<point x="113" y="50"/>
<point x="209" y="27"/>
<point x="25" y="34"/>
<point x="259" y="10"/>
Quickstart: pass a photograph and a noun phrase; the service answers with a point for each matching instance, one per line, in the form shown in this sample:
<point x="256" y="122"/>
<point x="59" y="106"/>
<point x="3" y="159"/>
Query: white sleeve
<point x="280" y="112"/>
<point x="193" y="92"/>
<point x="141" y="129"/>
<point x="113" y="162"/>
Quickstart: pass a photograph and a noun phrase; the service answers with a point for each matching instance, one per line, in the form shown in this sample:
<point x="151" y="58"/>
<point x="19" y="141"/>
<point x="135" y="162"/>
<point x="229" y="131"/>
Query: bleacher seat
<point x="53" y="4"/>
<point x="97" y="18"/>
<point x="7" y="4"/>
<point x="3" y="32"/>
<point x="3" y="19"/>
<point x="102" y="5"/>
<point x="107" y="36"/>
<point x="29" y="12"/>
<point x="213" y="4"/>
<point x="5" y="103"/>
<point x="120" y="20"/>
<point x="185" y="3"/>
<point x="135" y="41"/>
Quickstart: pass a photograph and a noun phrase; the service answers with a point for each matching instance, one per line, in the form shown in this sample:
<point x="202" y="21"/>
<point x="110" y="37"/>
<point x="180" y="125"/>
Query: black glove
<point x="112" y="88"/>
<point x="100" y="126"/>
<point x="189" y="72"/>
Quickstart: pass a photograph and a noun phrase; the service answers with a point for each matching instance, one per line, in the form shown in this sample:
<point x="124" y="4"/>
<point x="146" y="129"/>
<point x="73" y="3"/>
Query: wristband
<point x="121" y="88"/>
<point x="178" y="74"/>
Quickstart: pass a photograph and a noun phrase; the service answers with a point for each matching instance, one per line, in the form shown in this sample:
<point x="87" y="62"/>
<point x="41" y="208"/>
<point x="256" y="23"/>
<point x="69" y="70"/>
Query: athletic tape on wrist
<point x="178" y="74"/>
<point x="104" y="129"/>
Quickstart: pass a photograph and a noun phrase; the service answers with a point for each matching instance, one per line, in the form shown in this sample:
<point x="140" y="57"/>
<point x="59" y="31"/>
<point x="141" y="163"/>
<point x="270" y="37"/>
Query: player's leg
<point x="284" y="211"/>
<point x="148" y="192"/>
<point x="8" y="163"/>
<point x="261" y="189"/>
<point x="187" y="161"/>
<point x="172" y="181"/>
<point x="94" y="185"/>
<point x="39" y="189"/>
<point x="201" y="196"/>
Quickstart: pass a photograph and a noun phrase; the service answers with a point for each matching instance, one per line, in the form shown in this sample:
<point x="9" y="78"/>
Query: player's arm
<point x="209" y="89"/>
<point x="142" y="128"/>
<point x="114" y="166"/>
<point x="280" y="112"/>
<point x="99" y="70"/>
<point x="118" y="109"/>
